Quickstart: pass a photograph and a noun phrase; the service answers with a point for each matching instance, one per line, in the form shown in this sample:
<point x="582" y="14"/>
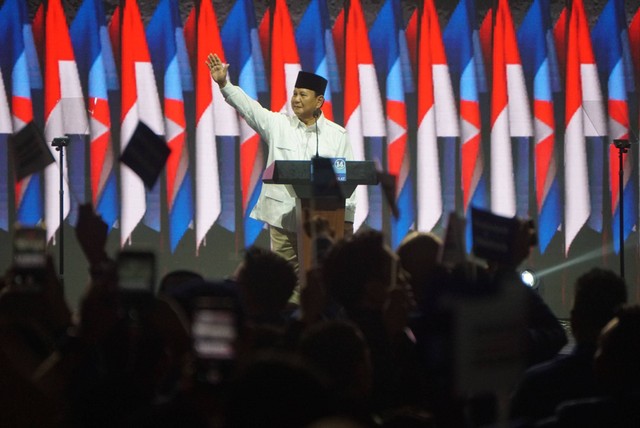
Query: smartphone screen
<point x="136" y="270"/>
<point x="29" y="256"/>
<point x="29" y="248"/>
<point x="214" y="332"/>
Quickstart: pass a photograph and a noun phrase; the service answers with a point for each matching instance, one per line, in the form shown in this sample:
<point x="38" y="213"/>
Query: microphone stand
<point x="623" y="147"/>
<point x="314" y="232"/>
<point x="316" y="114"/>
<point x="60" y="143"/>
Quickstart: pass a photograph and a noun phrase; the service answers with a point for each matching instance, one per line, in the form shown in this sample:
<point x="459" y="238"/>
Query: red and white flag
<point x="140" y="103"/>
<point x="64" y="109"/>
<point x="278" y="40"/>
<point x="511" y="123"/>
<point x="214" y="118"/>
<point x="363" y="112"/>
<point x="584" y="117"/>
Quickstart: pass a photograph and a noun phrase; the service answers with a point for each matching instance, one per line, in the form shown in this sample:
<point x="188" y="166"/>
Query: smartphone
<point x="29" y="256"/>
<point x="214" y="331"/>
<point x="137" y="271"/>
<point x="214" y="328"/>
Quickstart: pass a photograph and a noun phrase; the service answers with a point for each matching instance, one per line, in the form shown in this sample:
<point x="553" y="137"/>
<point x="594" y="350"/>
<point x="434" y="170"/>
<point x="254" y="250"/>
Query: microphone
<point x="316" y="115"/>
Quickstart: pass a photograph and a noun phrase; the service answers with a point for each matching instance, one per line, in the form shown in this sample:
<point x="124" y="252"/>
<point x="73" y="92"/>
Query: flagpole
<point x="347" y="7"/>
<point x="60" y="143"/>
<point x="420" y="11"/>
<point x="563" y="74"/>
<point x="623" y="147"/>
<point x="272" y="12"/>
<point x="121" y="141"/>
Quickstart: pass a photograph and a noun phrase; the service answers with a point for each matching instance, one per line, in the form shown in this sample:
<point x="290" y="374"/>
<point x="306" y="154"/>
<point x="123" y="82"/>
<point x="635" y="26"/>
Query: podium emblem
<point x="340" y="168"/>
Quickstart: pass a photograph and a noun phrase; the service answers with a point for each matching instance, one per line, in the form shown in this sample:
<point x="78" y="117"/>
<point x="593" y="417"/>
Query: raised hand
<point x="91" y="232"/>
<point x="217" y="69"/>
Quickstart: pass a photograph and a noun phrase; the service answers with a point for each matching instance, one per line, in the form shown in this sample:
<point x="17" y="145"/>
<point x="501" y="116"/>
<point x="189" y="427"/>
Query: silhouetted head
<point x="598" y="294"/>
<point x="277" y="390"/>
<point x="266" y="281"/>
<point x="617" y="360"/>
<point x="339" y="350"/>
<point x="359" y="272"/>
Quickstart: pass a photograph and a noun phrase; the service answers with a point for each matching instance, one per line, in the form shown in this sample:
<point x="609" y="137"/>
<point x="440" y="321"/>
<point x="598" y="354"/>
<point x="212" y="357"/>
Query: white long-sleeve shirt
<point x="288" y="138"/>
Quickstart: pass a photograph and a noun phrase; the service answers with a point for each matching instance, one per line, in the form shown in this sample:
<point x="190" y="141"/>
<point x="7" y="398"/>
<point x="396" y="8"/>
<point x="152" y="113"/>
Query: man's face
<point x="304" y="102"/>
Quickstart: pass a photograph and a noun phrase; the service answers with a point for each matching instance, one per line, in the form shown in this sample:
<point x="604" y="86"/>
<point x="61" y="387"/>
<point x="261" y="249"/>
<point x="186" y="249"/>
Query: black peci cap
<point x="146" y="154"/>
<point x="311" y="81"/>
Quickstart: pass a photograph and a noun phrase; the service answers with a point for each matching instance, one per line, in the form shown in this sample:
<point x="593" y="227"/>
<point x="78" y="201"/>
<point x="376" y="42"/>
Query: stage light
<point x="529" y="278"/>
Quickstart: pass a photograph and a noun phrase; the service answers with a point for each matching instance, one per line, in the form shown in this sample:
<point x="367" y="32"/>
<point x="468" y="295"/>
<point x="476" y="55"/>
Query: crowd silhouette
<point x="379" y="339"/>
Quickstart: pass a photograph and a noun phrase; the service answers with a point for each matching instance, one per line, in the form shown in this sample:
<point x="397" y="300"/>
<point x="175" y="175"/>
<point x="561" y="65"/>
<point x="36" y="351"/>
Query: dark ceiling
<point x="370" y="7"/>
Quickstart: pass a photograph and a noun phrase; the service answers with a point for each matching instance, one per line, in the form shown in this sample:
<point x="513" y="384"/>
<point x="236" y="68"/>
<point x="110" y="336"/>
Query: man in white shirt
<point x="288" y="138"/>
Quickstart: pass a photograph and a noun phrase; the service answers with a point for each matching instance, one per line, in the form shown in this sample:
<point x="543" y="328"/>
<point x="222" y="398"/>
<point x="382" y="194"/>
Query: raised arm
<point x="217" y="69"/>
<point x="262" y="120"/>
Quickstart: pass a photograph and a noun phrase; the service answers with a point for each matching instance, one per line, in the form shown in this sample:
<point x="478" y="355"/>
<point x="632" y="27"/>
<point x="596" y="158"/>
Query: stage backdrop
<point x="509" y="106"/>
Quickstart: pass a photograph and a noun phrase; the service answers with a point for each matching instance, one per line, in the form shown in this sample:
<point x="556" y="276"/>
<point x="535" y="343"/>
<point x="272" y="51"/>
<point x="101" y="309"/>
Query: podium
<point x="325" y="200"/>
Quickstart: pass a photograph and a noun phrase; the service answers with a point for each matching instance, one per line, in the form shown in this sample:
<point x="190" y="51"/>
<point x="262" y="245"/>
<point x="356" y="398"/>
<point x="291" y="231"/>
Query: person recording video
<point x="299" y="137"/>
